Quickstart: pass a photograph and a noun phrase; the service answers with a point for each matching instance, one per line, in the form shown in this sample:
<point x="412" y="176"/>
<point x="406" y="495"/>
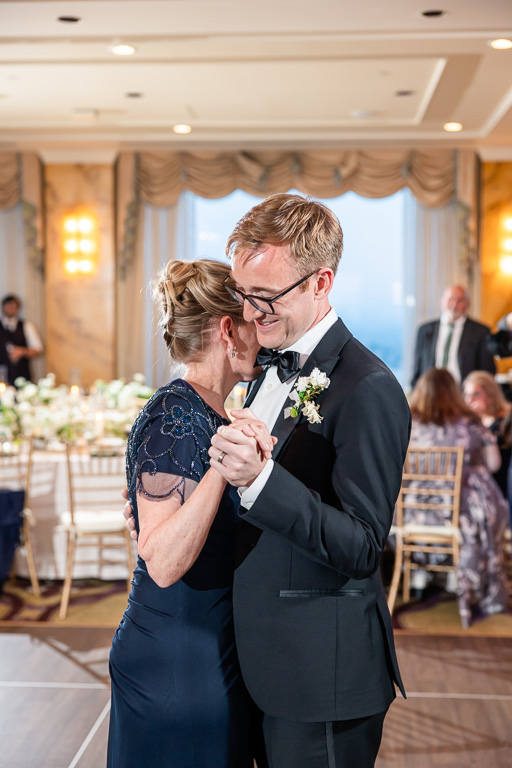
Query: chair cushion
<point x="100" y="521"/>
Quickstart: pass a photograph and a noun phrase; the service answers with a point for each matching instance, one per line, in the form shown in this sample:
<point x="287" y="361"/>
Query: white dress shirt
<point x="272" y="397"/>
<point x="31" y="335"/>
<point x="444" y="329"/>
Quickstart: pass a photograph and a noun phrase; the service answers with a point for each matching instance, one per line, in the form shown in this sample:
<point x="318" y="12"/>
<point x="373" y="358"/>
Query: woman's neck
<point x="211" y="383"/>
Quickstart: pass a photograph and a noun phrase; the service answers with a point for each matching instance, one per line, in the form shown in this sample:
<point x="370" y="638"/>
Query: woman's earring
<point x="233" y="351"/>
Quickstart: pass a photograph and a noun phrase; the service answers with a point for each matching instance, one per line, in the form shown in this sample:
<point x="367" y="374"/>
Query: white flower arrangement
<point x="52" y="414"/>
<point x="304" y="393"/>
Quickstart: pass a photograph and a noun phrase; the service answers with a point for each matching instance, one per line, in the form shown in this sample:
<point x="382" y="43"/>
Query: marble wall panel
<point x="80" y="309"/>
<point x="496" y="208"/>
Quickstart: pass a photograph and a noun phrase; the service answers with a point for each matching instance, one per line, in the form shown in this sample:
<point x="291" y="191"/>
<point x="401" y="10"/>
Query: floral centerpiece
<point x="53" y="414"/>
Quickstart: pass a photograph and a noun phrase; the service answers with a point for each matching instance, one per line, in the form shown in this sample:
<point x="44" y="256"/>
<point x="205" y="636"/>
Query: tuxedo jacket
<point x="313" y="630"/>
<point x="472" y="354"/>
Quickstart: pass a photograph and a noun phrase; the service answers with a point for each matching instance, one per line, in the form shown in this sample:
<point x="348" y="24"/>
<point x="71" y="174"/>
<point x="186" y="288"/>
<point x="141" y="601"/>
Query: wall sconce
<point x="80" y="242"/>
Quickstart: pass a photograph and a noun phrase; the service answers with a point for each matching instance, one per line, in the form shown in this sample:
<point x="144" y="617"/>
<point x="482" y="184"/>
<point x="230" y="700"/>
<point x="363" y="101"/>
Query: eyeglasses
<point x="258" y="302"/>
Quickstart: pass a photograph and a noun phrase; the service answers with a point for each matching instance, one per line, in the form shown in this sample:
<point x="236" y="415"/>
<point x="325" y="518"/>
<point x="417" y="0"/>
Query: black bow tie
<point x="288" y="363"/>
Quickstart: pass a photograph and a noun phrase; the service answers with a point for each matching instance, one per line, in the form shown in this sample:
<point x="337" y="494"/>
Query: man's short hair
<point x="309" y="228"/>
<point x="11" y="297"/>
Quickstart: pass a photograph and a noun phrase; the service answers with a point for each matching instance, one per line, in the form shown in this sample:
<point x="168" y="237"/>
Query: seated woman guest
<point x="485" y="396"/>
<point x="178" y="700"/>
<point x="442" y="418"/>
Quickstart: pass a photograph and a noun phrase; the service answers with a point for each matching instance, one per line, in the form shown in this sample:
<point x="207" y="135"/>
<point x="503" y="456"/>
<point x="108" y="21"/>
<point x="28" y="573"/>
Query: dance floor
<point x="54" y="700"/>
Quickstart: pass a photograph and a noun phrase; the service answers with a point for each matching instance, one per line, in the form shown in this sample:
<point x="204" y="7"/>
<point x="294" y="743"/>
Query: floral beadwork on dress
<point x="170" y="438"/>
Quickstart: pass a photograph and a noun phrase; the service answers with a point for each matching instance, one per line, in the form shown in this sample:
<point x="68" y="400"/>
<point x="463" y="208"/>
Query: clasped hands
<point x="240" y="451"/>
<point x="244" y="446"/>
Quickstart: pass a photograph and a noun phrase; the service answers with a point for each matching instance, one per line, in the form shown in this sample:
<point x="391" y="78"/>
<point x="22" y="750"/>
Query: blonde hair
<point x="498" y="404"/>
<point x="310" y="230"/>
<point x="192" y="298"/>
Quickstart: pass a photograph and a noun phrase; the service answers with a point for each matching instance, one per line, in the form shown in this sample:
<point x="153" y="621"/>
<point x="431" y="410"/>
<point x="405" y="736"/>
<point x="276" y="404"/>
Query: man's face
<point x="10" y="308"/>
<point x="267" y="274"/>
<point x="454" y="302"/>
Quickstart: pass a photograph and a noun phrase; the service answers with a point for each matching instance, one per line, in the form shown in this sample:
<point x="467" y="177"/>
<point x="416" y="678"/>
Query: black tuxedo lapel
<point x="434" y="333"/>
<point x="324" y="356"/>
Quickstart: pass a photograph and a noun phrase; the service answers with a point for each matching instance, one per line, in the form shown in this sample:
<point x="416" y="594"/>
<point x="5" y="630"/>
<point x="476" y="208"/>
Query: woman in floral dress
<point x="442" y="418"/>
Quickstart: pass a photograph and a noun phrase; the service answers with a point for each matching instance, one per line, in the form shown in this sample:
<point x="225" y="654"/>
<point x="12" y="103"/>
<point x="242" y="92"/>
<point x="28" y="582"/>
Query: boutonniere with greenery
<point x="303" y="395"/>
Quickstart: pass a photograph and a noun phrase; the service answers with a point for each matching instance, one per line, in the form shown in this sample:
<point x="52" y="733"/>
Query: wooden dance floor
<point x="54" y="700"/>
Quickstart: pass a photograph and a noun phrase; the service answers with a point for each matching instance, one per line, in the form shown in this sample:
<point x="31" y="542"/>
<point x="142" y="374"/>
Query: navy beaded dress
<point x="178" y="700"/>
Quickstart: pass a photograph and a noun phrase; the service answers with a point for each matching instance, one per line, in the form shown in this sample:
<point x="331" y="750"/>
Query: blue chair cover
<point x="11" y="520"/>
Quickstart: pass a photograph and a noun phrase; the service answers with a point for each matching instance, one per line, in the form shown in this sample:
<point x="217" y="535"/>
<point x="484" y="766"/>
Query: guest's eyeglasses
<point x="258" y="302"/>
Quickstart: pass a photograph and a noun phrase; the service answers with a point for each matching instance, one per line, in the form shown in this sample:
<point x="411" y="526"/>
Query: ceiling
<point x="245" y="74"/>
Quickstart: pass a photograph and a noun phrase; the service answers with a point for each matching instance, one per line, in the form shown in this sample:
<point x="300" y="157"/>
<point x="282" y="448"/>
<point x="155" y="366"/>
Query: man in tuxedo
<point x="455" y="341"/>
<point x="313" y="630"/>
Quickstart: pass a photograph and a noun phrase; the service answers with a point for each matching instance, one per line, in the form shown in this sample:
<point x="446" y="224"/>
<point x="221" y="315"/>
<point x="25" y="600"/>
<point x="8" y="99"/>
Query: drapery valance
<point x="160" y="177"/>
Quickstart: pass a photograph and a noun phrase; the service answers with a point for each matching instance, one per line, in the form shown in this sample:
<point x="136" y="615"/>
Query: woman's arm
<point x="492" y="457"/>
<point x="172" y="534"/>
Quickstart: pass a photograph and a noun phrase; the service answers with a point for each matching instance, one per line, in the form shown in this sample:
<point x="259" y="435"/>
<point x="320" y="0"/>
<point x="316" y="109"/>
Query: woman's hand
<point x="250" y="425"/>
<point x="128" y="515"/>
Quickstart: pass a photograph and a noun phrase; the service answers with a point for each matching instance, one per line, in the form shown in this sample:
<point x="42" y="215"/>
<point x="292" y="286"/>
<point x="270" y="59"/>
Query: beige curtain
<point x="22" y="237"/>
<point x="162" y="176"/>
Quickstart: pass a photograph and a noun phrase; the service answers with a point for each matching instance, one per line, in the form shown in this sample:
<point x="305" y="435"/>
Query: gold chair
<point x="15" y="474"/>
<point x="96" y="477"/>
<point x="431" y="482"/>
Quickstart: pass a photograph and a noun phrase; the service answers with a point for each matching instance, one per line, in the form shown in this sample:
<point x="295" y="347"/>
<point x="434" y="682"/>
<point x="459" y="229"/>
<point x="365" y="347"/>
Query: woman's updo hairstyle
<point x="192" y="298"/>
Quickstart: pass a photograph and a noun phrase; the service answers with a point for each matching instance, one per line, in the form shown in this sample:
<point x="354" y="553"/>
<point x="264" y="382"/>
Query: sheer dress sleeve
<point x="168" y="447"/>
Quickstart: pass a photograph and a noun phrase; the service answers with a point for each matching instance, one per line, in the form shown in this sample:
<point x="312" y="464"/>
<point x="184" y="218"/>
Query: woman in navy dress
<point x="178" y="700"/>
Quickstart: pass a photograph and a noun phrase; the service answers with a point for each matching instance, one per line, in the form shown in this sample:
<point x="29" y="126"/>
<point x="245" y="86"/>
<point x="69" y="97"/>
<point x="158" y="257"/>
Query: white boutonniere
<point x="304" y="393"/>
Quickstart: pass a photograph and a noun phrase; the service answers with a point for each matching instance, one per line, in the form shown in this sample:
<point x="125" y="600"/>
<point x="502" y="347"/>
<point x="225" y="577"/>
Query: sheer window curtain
<point x="162" y="234"/>
<point x="434" y="259"/>
<point x="19" y="276"/>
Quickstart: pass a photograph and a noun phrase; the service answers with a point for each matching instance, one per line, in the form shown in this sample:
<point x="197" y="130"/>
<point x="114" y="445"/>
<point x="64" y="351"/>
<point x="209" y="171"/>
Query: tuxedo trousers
<point x="339" y="744"/>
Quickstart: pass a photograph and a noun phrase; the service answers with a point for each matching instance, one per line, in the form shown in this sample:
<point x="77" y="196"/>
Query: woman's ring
<point x="220" y="457"/>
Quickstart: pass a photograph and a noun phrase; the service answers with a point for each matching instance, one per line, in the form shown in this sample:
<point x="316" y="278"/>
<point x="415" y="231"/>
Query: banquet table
<point x="49" y="497"/>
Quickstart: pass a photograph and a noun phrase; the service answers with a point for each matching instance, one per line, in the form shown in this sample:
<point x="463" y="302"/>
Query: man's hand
<point x="242" y="458"/>
<point x="128" y="514"/>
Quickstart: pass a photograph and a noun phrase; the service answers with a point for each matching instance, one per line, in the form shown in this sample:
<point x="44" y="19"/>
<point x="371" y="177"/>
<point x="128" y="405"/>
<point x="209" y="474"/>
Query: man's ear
<point x="226" y="326"/>
<point x="325" y="280"/>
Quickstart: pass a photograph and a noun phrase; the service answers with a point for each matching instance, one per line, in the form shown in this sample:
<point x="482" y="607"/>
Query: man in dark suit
<point x="313" y="630"/>
<point x="454" y="341"/>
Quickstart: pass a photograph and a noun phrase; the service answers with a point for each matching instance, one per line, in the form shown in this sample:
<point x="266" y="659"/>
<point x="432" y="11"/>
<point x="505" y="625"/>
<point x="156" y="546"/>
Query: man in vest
<point x="19" y="341"/>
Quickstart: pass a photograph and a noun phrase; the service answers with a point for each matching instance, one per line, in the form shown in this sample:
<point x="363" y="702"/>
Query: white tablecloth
<point x="49" y="498"/>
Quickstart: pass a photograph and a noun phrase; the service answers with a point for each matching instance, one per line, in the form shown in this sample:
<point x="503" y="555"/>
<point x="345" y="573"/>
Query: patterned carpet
<point x="93" y="603"/>
<point x="437" y="613"/>
<point x="97" y="603"/>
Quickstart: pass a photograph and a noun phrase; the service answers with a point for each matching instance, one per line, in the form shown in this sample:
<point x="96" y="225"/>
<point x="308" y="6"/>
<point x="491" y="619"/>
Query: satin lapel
<point x="325" y="356"/>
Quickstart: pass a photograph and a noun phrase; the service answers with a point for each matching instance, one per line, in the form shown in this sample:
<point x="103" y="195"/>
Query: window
<point x="368" y="290"/>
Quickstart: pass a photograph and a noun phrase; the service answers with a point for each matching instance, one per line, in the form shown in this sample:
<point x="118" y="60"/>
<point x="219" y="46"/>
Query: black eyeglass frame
<point x="240" y="296"/>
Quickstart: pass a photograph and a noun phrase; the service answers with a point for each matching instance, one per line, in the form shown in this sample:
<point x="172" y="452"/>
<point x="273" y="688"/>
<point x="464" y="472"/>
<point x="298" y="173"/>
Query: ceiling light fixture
<point x="501" y="44"/>
<point x="404" y="93"/>
<point x="433" y="14"/>
<point x="182" y="128"/>
<point x="69" y="19"/>
<point x="452" y="127"/>
<point x="122" y="49"/>
<point x="134" y="95"/>
<point x="362" y="114"/>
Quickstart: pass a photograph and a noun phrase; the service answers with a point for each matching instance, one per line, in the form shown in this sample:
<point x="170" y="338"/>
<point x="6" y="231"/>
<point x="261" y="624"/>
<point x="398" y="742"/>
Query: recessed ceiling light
<point x="501" y="44"/>
<point x="362" y="114"/>
<point x="182" y="128"/>
<point x="69" y="19"/>
<point x="404" y="93"/>
<point x="134" y="95"/>
<point x="433" y="14"/>
<point x="452" y="127"/>
<point x="122" y="49"/>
